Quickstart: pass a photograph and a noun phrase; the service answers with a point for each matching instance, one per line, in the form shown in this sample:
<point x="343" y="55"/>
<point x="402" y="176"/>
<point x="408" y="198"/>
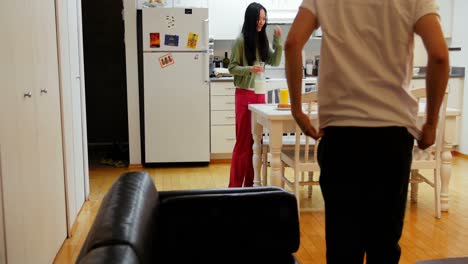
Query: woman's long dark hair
<point x="254" y="40"/>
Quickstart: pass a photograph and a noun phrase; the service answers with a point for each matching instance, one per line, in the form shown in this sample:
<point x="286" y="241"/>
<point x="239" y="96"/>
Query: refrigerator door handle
<point x="206" y="62"/>
<point x="206" y="32"/>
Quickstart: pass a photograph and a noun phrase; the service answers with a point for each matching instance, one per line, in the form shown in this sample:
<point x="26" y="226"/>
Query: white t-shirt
<point x="366" y="61"/>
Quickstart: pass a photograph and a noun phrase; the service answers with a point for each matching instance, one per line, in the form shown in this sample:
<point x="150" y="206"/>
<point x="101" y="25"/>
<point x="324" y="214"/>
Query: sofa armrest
<point x="126" y="217"/>
<point x="111" y="254"/>
<point x="229" y="224"/>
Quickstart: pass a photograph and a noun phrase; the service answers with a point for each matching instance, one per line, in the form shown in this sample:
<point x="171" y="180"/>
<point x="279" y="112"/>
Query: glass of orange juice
<point x="284" y="96"/>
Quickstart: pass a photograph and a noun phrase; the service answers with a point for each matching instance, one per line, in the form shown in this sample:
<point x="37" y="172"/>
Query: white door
<point x="18" y="131"/>
<point x="30" y="139"/>
<point x="176" y="24"/>
<point x="50" y="188"/>
<point x="72" y="119"/>
<point x="176" y="108"/>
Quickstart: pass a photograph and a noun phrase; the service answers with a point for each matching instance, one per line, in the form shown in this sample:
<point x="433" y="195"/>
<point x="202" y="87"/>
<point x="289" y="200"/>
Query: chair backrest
<point x="304" y="143"/>
<point x="432" y="153"/>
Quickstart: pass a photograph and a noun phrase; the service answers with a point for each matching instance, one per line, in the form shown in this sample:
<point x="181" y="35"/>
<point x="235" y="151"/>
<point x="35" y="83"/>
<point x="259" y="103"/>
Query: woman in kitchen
<point x="249" y="51"/>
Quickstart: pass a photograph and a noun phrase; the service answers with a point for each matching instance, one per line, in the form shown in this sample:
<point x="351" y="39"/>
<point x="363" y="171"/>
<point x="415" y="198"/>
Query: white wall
<point x="460" y="58"/>
<point x="459" y="33"/>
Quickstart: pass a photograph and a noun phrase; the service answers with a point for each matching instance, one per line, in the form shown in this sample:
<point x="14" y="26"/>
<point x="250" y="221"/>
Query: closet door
<point x="72" y="102"/>
<point x="18" y="133"/>
<point x="49" y="132"/>
<point x="31" y="165"/>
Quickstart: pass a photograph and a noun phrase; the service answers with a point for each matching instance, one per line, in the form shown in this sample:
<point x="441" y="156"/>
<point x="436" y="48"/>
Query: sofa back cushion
<point x="228" y="225"/>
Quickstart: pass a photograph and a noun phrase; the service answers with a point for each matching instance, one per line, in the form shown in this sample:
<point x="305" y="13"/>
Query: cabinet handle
<point x="43" y="91"/>
<point x="230" y="139"/>
<point x="230" y="88"/>
<point x="230" y="117"/>
<point x="229" y="102"/>
<point x="28" y="94"/>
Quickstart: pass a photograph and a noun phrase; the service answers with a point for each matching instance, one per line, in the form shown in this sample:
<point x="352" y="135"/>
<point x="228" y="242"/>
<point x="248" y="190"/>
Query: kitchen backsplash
<point x="311" y="49"/>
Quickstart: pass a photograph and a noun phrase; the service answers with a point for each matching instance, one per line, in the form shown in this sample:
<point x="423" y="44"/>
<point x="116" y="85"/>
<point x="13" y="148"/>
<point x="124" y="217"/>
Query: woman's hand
<point x="278" y="31"/>
<point x="256" y="69"/>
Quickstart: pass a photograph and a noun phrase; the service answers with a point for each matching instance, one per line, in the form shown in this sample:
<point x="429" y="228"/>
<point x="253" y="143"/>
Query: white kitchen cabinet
<point x="223" y="119"/>
<point x="417" y="83"/>
<point x="226" y="18"/>
<point x="446" y="16"/>
<point x="455" y="96"/>
<point x="32" y="173"/>
<point x="190" y="3"/>
<point x="453" y="130"/>
<point x="280" y="5"/>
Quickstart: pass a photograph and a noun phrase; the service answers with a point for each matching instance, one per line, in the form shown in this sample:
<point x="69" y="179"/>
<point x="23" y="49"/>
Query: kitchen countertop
<point x="455" y="72"/>
<point x="230" y="79"/>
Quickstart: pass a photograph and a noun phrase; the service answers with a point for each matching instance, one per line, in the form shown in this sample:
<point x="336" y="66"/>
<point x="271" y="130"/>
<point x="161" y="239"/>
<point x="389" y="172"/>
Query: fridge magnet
<point x="192" y="40"/>
<point x="155" y="42"/>
<point x="170" y="20"/>
<point x="171" y="40"/>
<point x="166" y="60"/>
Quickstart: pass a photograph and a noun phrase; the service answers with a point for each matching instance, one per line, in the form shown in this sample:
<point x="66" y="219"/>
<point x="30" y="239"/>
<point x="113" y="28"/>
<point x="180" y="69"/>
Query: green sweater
<point x="239" y="67"/>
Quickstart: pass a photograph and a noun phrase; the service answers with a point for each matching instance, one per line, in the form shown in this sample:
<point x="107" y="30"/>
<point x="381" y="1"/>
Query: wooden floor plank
<point x="424" y="237"/>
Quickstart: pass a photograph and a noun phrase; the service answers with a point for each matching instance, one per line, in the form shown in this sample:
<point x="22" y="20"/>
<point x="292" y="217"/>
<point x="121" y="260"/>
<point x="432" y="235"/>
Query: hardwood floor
<point x="424" y="236"/>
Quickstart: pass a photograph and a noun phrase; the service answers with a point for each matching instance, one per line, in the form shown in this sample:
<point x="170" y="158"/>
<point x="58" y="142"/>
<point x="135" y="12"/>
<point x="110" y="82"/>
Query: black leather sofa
<point x="138" y="224"/>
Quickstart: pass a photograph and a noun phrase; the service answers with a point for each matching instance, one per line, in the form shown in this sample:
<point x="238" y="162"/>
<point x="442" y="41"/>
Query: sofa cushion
<point x="229" y="224"/>
<point x="126" y="217"/>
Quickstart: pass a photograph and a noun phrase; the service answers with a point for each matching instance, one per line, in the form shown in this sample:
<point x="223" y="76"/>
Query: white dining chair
<point x="430" y="158"/>
<point x="302" y="158"/>
<point x="289" y="139"/>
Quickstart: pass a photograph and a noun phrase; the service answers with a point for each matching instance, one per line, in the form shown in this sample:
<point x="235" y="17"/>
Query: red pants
<point x="241" y="163"/>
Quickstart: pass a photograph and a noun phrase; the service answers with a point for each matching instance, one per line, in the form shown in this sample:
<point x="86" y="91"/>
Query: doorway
<point x="105" y="82"/>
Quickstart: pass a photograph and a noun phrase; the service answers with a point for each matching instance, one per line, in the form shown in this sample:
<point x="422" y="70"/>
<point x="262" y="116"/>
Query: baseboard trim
<point x="135" y="166"/>
<point x="220" y="161"/>
<point x="460" y="155"/>
<point x="221" y="156"/>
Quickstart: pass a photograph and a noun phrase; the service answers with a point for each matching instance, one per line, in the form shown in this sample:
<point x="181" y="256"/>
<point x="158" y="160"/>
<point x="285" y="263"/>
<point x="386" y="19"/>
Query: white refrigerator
<point x="176" y="85"/>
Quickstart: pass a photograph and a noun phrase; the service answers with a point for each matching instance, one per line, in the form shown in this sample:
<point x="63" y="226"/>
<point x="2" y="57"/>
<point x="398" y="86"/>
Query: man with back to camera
<point x="367" y="116"/>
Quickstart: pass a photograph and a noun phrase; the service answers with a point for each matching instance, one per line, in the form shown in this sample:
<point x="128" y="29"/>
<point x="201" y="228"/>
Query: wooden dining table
<point x="267" y="118"/>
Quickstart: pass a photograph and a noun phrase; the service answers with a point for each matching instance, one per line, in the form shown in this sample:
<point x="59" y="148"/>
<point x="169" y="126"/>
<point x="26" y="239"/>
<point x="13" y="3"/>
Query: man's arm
<point x="437" y="74"/>
<point x="303" y="26"/>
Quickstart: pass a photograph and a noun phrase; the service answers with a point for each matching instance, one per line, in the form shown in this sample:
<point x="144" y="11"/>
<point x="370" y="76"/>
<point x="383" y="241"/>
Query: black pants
<point x="364" y="180"/>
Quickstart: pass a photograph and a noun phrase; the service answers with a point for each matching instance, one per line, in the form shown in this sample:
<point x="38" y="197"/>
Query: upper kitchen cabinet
<point x="226" y="18"/>
<point x="190" y="3"/>
<point x="281" y="5"/>
<point x="281" y="11"/>
<point x="446" y="13"/>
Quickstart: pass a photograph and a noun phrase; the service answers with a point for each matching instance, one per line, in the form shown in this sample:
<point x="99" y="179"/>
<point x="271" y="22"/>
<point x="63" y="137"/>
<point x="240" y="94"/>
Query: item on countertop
<point x="316" y="66"/>
<point x="260" y="81"/>
<point x="309" y="66"/>
<point x="284" y="106"/>
<point x="226" y="60"/>
<point x="221" y="72"/>
<point x="154" y="3"/>
<point x="284" y="96"/>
